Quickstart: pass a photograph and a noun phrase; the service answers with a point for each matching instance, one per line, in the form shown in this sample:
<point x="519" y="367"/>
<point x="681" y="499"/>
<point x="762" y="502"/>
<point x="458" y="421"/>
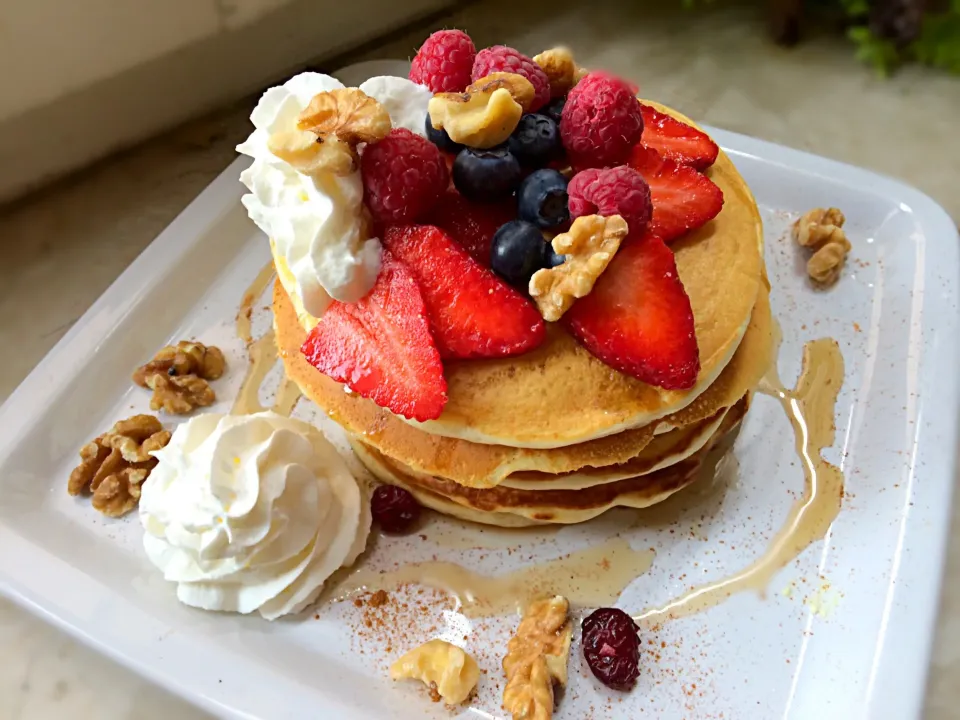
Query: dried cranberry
<point x="394" y="508"/>
<point x="611" y="647"/>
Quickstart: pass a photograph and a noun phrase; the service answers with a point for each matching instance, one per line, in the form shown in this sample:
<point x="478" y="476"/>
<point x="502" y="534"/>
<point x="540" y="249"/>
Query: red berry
<point x="381" y="346"/>
<point x="472" y="225"/>
<point x="501" y="58"/>
<point x="611" y="647"/>
<point x="676" y="140"/>
<point x="617" y="191"/>
<point x="601" y="121"/>
<point x="394" y="509"/>
<point x="403" y="177"/>
<point x="472" y="312"/>
<point x="444" y="61"/>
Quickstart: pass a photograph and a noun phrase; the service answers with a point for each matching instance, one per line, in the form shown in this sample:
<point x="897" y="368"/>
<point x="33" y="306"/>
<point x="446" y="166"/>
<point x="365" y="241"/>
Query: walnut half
<point x="536" y="659"/>
<point x="589" y="245"/>
<point x="178" y="376"/>
<point x="486" y="113"/>
<point x="114" y="465"/>
<point x="821" y="230"/>
<point x="180" y="395"/>
<point x="445" y="668"/>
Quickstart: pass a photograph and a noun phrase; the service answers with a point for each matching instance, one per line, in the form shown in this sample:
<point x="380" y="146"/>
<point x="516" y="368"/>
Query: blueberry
<point x="536" y="141"/>
<point x="542" y="199"/>
<point x="555" y="109"/>
<point x="486" y="175"/>
<point x="552" y="259"/>
<point x="441" y="139"/>
<point x="517" y="251"/>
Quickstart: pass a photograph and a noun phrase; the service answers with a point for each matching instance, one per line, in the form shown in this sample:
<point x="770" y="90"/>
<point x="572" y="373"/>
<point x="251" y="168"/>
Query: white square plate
<point x="843" y="632"/>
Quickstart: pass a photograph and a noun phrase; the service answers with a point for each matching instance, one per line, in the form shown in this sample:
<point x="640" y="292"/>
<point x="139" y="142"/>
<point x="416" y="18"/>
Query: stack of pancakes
<point x="555" y="435"/>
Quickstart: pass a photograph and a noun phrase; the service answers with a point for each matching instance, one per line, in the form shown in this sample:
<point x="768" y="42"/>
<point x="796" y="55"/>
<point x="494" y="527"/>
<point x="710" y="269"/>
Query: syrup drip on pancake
<point x="810" y="410"/>
<point x="594" y="577"/>
<point x="263" y="356"/>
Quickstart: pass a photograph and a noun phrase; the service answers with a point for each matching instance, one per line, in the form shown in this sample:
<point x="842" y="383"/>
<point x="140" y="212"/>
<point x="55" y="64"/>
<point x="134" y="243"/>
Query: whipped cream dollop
<point x="316" y="223"/>
<point x="251" y="513"/>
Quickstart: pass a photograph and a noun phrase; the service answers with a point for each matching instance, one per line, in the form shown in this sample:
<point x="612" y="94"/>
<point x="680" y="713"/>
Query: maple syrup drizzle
<point x="594" y="577"/>
<point x="810" y="410"/>
<point x="263" y="356"/>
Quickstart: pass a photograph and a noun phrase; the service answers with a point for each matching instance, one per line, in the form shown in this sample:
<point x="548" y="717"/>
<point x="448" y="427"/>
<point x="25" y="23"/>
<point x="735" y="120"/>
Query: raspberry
<point x="616" y="191"/>
<point x="601" y="121"/>
<point x="501" y="58"/>
<point x="611" y="647"/>
<point x="403" y="177"/>
<point x="394" y="509"/>
<point x="444" y="61"/>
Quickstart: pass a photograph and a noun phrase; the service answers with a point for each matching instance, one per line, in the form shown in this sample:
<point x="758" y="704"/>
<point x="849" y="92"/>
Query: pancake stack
<point x="555" y="435"/>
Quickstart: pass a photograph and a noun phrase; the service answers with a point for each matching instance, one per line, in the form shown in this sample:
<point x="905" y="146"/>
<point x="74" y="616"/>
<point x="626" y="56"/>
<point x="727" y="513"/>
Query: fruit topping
<point x="481" y="117"/>
<point x="560" y="68"/>
<point x="638" y="318"/>
<point x="394" y="509"/>
<point x="403" y="177"/>
<point x="518" y="252"/>
<point x="501" y="58"/>
<point x="535" y="141"/>
<point x="555" y="109"/>
<point x="444" y="61"/>
<point x="381" y="346"/>
<point x="542" y="199"/>
<point x="601" y="121"/>
<point x="615" y="191"/>
<point x="472" y="225"/>
<point x="440" y="138"/>
<point x="486" y="175"/>
<point x="472" y="313"/>
<point x="676" y="140"/>
<point x="552" y="258"/>
<point x="683" y="199"/>
<point x="589" y="246"/>
<point x="611" y="647"/>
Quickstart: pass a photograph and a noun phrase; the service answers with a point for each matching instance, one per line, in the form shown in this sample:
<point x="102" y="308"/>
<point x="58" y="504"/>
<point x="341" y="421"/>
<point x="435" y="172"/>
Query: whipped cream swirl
<point x="251" y="513"/>
<point x="316" y="223"/>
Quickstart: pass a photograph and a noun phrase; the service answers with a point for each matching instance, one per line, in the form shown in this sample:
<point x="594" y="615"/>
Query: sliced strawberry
<point x="472" y="225"/>
<point x="381" y="346"/>
<point x="676" y="140"/>
<point x="638" y="319"/>
<point x="683" y="199"/>
<point x="473" y="314"/>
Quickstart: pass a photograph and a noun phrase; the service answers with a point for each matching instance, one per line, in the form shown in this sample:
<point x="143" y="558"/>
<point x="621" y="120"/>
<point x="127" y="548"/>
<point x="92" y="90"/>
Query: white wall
<point x="81" y="78"/>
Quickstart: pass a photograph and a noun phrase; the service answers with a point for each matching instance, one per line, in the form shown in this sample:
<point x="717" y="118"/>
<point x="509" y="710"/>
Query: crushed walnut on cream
<point x="486" y="113"/>
<point x="560" y="68"/>
<point x="536" y="659"/>
<point x="821" y="230"/>
<point x="114" y="465"/>
<point x="588" y="245"/>
<point x="447" y="670"/>
<point x="328" y="131"/>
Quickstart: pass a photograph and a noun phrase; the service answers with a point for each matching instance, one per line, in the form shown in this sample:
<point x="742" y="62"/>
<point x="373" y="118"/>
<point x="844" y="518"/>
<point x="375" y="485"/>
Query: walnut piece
<point x="484" y="116"/>
<point x="328" y="130"/>
<point x="184" y="358"/>
<point x="114" y="465"/>
<point x="519" y="87"/>
<point x="443" y="667"/>
<point x="821" y="230"/>
<point x="180" y="395"/>
<point x="589" y="245"/>
<point x="536" y="659"/>
<point x="561" y="70"/>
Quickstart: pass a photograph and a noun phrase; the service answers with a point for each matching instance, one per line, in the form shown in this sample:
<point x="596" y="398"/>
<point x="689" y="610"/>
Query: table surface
<point x="63" y="246"/>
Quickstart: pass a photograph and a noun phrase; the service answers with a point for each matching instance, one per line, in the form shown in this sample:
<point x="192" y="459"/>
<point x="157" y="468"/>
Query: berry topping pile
<point x="394" y="509"/>
<point x="514" y="150"/>
<point x="611" y="647"/>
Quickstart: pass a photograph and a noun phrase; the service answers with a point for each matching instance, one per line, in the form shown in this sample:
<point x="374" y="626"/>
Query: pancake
<point x="481" y="465"/>
<point x="559" y="394"/>
<point x="508" y="507"/>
